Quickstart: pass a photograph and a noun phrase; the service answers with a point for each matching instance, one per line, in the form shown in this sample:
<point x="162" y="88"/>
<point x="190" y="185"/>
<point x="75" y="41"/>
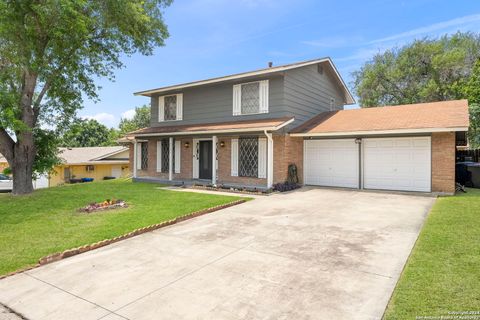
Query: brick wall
<point x="287" y="150"/>
<point x="443" y="162"/>
<point x="224" y="167"/>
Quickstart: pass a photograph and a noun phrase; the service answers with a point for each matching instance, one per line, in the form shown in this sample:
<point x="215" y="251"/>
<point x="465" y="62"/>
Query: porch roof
<point x="215" y="128"/>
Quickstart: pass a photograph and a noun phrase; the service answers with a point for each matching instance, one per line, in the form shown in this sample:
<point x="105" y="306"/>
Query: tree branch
<point x="6" y="145"/>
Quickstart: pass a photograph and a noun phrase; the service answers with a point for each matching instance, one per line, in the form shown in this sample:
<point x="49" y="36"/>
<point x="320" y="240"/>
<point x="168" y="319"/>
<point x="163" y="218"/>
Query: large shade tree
<point x="140" y="119"/>
<point x="88" y="133"/>
<point x="425" y="70"/>
<point x="50" y="53"/>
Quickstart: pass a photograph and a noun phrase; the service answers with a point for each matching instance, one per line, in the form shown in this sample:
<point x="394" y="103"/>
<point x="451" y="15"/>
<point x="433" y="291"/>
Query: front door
<point x="205" y="160"/>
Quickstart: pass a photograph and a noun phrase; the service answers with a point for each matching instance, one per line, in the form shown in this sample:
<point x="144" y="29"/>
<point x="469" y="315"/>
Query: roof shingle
<point x="434" y="115"/>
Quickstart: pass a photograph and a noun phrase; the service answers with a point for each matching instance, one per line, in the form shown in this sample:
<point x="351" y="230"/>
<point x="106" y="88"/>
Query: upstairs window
<point x="250" y="98"/>
<point x="170" y="108"/>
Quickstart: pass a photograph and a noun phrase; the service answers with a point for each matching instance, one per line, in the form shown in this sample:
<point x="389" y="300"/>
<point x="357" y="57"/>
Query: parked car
<point x="6" y="183"/>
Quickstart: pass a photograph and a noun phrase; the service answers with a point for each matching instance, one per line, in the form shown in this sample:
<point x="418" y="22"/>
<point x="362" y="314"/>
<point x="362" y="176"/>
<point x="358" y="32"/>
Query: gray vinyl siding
<point x="214" y="103"/>
<point x="307" y="93"/>
<point x="301" y="93"/>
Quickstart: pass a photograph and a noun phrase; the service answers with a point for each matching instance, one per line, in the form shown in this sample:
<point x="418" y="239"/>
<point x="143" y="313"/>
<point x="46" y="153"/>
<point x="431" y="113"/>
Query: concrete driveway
<point x="309" y="254"/>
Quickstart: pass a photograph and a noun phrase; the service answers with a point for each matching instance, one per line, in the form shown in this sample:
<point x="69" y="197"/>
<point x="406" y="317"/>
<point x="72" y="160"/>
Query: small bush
<point x="285" y="186"/>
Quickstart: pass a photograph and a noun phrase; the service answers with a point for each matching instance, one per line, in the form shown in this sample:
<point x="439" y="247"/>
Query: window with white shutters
<point x="250" y="98"/>
<point x="170" y="108"/>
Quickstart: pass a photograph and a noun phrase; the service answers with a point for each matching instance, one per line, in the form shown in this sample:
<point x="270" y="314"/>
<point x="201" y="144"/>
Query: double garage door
<point x="375" y="163"/>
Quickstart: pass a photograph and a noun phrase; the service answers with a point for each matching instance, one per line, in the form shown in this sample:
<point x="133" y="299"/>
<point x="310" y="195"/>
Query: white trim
<point x="262" y="158"/>
<point x="161" y="109"/>
<point x="134" y="169"/>
<point x="214" y="160"/>
<point x="110" y="154"/>
<point x="195" y="159"/>
<point x="378" y="132"/>
<point x="183" y="133"/>
<point x="139" y="156"/>
<point x="159" y="155"/>
<point x="170" y="158"/>
<point x="263" y="96"/>
<point x="234" y="157"/>
<point x="237" y="100"/>
<point x="179" y="115"/>
<point x="349" y="97"/>
<point x="178" y="154"/>
<point x="269" y="160"/>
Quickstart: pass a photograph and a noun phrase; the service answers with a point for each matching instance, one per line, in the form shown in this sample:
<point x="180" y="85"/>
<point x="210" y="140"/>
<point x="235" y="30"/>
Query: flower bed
<point x="105" y="205"/>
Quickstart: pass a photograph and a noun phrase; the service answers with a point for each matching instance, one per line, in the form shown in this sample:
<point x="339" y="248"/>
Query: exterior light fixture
<point x="222" y="144"/>
<point x="187" y="144"/>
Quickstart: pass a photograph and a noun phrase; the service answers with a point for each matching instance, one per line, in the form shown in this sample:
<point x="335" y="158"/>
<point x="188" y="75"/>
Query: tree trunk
<point x="22" y="167"/>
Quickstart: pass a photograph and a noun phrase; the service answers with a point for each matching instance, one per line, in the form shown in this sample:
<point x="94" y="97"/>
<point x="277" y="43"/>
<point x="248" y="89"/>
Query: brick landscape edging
<point x="73" y="252"/>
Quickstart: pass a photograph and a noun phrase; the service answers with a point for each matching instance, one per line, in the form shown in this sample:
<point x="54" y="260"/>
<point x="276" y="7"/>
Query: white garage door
<point x="331" y="163"/>
<point x="397" y="163"/>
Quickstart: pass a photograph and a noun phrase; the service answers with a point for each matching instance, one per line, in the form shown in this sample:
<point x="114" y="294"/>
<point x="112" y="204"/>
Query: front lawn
<point x="442" y="275"/>
<point x="47" y="221"/>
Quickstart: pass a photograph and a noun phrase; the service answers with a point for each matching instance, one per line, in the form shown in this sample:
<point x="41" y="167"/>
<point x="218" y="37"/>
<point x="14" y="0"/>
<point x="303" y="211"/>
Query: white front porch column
<point x="214" y="160"/>
<point x="135" y="150"/>
<point x="170" y="158"/>
<point x="269" y="160"/>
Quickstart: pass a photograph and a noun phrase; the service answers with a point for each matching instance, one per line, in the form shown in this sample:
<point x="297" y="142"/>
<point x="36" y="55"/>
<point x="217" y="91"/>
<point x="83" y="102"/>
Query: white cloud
<point x="129" y="114"/>
<point x="431" y="28"/>
<point x="107" y="119"/>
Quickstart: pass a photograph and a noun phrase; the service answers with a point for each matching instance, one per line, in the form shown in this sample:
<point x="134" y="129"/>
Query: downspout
<point x="269" y="159"/>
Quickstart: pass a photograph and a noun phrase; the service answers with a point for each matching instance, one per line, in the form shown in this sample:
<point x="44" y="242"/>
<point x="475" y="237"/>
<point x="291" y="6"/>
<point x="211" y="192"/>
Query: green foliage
<point x="7" y="171"/>
<point x="88" y="133"/>
<point x="46" y="158"/>
<point x="442" y="273"/>
<point x="51" y="53"/>
<point x="141" y="119"/>
<point x="425" y="70"/>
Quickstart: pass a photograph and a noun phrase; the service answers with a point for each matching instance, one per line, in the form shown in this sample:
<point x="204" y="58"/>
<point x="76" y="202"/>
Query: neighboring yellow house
<point x="95" y="162"/>
<point x="3" y="163"/>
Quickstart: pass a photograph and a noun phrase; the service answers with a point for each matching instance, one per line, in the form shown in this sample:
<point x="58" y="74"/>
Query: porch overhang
<point x="250" y="126"/>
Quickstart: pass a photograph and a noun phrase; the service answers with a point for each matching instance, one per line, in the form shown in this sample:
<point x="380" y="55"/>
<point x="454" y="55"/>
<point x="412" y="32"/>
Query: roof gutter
<point x="378" y="132"/>
<point x="185" y="133"/>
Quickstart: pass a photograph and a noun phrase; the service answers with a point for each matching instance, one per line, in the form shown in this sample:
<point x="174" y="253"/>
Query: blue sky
<point x="211" y="38"/>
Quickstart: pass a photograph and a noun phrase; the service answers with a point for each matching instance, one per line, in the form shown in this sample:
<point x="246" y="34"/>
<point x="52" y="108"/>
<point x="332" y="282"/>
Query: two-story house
<point x="244" y="130"/>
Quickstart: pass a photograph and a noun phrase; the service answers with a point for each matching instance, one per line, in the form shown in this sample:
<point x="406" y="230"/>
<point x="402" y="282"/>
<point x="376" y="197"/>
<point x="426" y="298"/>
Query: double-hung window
<point x="250" y="98"/>
<point x="170" y="107"/>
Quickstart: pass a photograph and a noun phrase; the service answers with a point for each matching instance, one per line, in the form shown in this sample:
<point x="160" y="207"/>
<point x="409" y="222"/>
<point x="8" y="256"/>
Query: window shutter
<point x="195" y="151"/>
<point x="179" y="106"/>
<point x="161" y="108"/>
<point x="237" y="99"/>
<point x="234" y="158"/>
<point x="159" y="156"/>
<point x="263" y="96"/>
<point x="139" y="156"/>
<point x="262" y="157"/>
<point x="178" y="151"/>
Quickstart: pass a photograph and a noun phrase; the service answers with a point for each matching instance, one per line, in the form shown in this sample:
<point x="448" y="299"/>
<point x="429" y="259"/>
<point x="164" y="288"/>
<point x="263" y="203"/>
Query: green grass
<point x="47" y="221"/>
<point x="442" y="274"/>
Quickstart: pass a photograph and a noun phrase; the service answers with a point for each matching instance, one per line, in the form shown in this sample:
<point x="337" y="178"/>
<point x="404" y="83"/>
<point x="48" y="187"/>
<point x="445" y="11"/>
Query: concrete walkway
<point x="309" y="254"/>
